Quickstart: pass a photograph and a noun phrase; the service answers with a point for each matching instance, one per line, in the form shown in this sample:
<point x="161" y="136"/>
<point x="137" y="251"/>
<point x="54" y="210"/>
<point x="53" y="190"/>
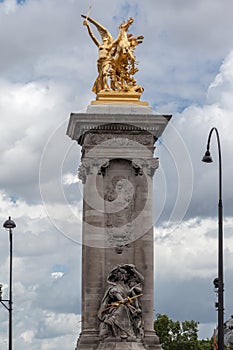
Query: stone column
<point x="117" y="169"/>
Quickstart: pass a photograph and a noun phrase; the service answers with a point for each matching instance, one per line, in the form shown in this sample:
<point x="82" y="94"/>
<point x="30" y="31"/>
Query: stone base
<point x="129" y="108"/>
<point x="151" y="341"/>
<point x="91" y="341"/>
<point x="119" y="344"/>
<point x="88" y="340"/>
<point x="116" y="97"/>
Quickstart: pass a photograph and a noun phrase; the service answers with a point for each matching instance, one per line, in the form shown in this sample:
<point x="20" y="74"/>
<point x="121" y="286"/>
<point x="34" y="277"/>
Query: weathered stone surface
<point x="82" y="123"/>
<point x="118" y="344"/>
<point x="117" y="171"/>
<point x="119" y="109"/>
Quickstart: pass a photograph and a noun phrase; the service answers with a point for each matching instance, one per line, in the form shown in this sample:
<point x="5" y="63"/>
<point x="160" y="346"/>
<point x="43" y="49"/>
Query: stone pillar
<point x="116" y="169"/>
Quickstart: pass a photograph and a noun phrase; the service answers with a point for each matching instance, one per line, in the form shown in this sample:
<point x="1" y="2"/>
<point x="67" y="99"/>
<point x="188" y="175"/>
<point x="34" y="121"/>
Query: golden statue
<point x="116" y="63"/>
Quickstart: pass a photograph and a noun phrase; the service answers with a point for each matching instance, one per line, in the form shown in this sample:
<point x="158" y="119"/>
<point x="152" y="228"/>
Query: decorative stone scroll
<point x="147" y="166"/>
<point x="91" y="166"/>
<point x="119" y="237"/>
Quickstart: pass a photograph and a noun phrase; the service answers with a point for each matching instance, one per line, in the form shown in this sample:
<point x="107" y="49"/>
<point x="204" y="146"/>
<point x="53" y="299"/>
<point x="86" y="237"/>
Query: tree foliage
<point x="175" y="335"/>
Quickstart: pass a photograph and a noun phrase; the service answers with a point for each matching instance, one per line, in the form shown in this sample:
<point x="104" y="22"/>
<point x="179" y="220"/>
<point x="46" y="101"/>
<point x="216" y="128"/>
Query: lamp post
<point x="9" y="225"/>
<point x="219" y="281"/>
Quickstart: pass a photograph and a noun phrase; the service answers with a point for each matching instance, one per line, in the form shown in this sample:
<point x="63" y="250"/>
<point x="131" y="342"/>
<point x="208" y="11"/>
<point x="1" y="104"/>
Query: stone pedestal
<point x="117" y="169"/>
<point x="118" y="344"/>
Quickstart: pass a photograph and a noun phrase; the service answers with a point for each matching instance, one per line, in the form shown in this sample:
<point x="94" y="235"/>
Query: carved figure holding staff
<point x="120" y="313"/>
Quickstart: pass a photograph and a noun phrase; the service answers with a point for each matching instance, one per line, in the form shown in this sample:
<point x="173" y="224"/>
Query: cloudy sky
<point x="47" y="68"/>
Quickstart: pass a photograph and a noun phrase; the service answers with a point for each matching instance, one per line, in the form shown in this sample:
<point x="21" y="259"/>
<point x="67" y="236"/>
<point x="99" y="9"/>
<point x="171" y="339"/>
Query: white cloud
<point x="192" y="249"/>
<point x="9" y="6"/>
<point x="54" y="325"/>
<point x="220" y="89"/>
<point x="69" y="179"/>
<point x="186" y="256"/>
<point x="27" y="336"/>
<point x="57" y="274"/>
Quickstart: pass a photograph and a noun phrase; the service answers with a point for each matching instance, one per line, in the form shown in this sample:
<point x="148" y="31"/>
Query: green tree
<point x="175" y="335"/>
<point x="162" y="326"/>
<point x="206" y="344"/>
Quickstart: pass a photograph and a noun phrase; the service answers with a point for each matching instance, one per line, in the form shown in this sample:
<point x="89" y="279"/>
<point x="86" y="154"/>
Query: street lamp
<point x="219" y="281"/>
<point x="9" y="225"/>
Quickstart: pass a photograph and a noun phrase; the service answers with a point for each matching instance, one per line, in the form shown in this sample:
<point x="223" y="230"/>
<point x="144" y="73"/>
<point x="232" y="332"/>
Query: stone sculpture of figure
<point x="120" y="313"/>
<point x="116" y="61"/>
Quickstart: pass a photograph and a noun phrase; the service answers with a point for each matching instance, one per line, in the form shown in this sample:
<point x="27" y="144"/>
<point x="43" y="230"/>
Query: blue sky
<point x="48" y="66"/>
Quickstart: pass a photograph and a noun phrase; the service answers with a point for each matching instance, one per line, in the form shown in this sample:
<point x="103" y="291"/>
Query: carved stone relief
<point x="145" y="165"/>
<point x="140" y="166"/>
<point x="119" y="205"/>
<point x="128" y="139"/>
<point x="120" y="312"/>
<point x="121" y="188"/>
<point x="90" y="166"/>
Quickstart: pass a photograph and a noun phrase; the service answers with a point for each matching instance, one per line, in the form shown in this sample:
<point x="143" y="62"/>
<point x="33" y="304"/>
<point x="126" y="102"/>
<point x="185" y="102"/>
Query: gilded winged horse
<point x="116" y="61"/>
